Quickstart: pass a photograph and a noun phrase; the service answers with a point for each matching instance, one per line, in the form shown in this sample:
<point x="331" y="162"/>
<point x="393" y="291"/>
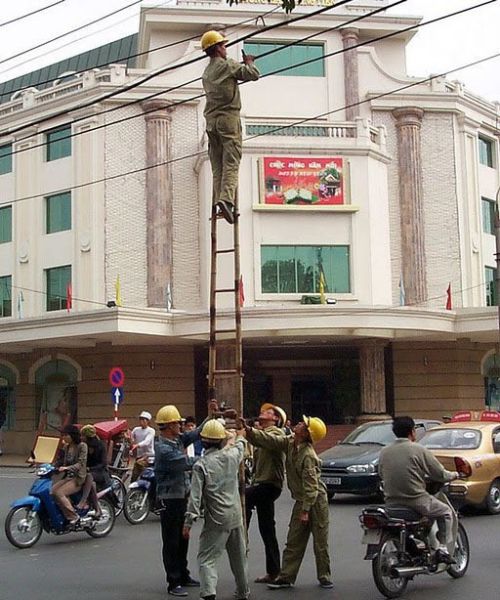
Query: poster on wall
<point x="309" y="181"/>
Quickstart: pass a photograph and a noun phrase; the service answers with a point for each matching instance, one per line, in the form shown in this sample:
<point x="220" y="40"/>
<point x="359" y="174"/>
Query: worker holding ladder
<point x="222" y="115"/>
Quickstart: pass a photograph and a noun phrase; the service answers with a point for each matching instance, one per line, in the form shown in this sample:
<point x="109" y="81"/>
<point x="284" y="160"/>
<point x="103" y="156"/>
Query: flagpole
<point x="497" y="259"/>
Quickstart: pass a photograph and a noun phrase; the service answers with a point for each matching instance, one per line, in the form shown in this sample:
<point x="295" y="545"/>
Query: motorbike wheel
<point x="23" y="527"/>
<point x="106" y="522"/>
<point x="120" y="492"/>
<point x="386" y="559"/>
<point x="493" y="498"/>
<point x="136" y="508"/>
<point x="461" y="554"/>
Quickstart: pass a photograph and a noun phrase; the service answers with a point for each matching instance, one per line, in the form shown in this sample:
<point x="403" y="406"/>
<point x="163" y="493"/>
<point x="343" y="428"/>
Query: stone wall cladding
<point x="125" y="220"/>
<point x="186" y="133"/>
<point x="386" y="119"/>
<point x="440" y="209"/>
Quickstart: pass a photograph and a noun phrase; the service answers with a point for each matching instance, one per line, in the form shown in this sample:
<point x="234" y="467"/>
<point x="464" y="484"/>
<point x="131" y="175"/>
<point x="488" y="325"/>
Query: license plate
<point x="371" y="536"/>
<point x="332" y="480"/>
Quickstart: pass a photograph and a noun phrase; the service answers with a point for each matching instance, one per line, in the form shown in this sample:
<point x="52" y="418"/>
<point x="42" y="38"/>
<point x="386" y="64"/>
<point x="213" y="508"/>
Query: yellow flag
<point x="322" y="297"/>
<point x="118" y="292"/>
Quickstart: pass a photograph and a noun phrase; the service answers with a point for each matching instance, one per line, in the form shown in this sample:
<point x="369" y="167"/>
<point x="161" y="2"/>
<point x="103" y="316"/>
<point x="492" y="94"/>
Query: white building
<point x="388" y="192"/>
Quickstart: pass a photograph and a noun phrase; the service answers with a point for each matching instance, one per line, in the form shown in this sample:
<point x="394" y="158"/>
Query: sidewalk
<point x="13" y="461"/>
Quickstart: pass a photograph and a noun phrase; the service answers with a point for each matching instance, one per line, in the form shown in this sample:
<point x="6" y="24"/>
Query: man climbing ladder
<point x="222" y="115"/>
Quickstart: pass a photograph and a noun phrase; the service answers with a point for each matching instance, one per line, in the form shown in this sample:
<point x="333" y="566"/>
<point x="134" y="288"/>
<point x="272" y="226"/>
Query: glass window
<point x="460" y="439"/>
<point x="490" y="276"/>
<point x="58" y="212"/>
<point x="59" y="143"/>
<point x="57" y="284"/>
<point x="297" y="269"/>
<point x="286" y="57"/>
<point x="488" y="215"/>
<point x="5" y="224"/>
<point x="485" y="151"/>
<point x="5" y="159"/>
<point x="6" y="296"/>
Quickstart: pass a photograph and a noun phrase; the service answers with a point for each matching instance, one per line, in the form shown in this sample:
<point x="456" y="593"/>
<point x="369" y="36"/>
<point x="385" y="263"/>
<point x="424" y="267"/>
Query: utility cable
<point x="62" y="35"/>
<point x="168" y="68"/>
<point x="34" y="12"/>
<point x="201" y="95"/>
<point x="257" y="135"/>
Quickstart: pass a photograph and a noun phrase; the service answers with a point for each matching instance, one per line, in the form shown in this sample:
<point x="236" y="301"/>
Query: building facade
<point x="356" y="179"/>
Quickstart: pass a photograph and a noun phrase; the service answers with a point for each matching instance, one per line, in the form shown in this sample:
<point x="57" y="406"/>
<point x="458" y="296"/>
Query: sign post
<point x="116" y="379"/>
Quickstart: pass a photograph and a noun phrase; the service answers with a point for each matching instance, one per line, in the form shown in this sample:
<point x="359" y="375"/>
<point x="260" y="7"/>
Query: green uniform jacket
<point x="220" y="82"/>
<point x="269" y="464"/>
<point x="302" y="466"/>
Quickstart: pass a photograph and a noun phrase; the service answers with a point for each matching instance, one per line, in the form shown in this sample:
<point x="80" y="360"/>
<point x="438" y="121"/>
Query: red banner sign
<point x="309" y="181"/>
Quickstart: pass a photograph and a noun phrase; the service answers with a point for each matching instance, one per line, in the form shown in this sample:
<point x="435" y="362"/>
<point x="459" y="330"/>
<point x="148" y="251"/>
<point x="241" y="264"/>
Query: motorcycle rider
<point x="269" y="474"/>
<point x="172" y="466"/>
<point x="404" y="467"/>
<point x="214" y="490"/>
<point x="143" y="444"/>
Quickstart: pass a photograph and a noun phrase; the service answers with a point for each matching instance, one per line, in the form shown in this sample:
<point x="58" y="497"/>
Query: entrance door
<point x="311" y="397"/>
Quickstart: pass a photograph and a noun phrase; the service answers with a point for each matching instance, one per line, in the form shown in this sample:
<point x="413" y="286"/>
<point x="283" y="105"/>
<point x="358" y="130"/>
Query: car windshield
<point x="379" y="433"/>
<point x="451" y="439"/>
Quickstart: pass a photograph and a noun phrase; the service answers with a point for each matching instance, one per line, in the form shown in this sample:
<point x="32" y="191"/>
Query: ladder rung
<point x="225" y="290"/>
<point x="225" y="331"/>
<point x="224" y="251"/>
<point x="226" y="372"/>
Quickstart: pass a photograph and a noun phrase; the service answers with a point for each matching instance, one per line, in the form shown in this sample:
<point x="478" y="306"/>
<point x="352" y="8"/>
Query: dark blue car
<point x="351" y="467"/>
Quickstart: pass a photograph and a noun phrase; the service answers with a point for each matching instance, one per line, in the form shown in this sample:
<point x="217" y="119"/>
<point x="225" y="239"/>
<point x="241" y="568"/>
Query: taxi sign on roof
<point x="487" y="416"/>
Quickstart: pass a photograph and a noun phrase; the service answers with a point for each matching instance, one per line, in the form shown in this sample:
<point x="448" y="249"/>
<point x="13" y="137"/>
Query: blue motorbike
<point x="30" y="515"/>
<point x="141" y="497"/>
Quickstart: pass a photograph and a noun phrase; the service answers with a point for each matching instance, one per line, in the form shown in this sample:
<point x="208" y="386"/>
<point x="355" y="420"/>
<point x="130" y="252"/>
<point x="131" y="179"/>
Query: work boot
<point x="443" y="556"/>
<point x="279" y="584"/>
<point x="326" y="584"/>
<point x="177" y="591"/>
<point x="226" y="209"/>
<point x="265" y="579"/>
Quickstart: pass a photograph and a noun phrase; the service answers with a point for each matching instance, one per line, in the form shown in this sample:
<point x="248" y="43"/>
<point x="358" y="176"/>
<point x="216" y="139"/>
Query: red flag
<point x="448" y="297"/>
<point x="241" y="291"/>
<point x="69" y="297"/>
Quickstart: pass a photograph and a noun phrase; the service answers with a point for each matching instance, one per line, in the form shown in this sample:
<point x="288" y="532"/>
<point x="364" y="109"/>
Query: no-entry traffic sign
<point x="116" y="377"/>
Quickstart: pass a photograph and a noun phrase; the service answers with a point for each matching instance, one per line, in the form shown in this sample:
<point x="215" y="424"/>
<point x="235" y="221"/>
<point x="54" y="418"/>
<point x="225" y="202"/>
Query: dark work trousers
<point x="175" y="547"/>
<point x="262" y="497"/>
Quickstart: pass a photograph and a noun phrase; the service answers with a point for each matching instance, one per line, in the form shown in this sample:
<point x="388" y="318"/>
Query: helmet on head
<point x="145" y="415"/>
<point x="282" y="416"/>
<point x="168" y="414"/>
<point x="88" y="431"/>
<point x="213" y="430"/>
<point x="211" y="38"/>
<point x="316" y="427"/>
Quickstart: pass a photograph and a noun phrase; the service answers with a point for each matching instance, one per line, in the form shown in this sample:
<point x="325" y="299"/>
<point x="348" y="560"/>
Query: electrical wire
<point x="30" y="14"/>
<point x="201" y="95"/>
<point x="62" y="35"/>
<point x="278" y="128"/>
<point x="166" y="69"/>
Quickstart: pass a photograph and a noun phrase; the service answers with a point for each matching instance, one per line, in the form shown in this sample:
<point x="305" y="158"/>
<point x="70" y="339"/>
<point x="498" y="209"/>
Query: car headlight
<point x="369" y="468"/>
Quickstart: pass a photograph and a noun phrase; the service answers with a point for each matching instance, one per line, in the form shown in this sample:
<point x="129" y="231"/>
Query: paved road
<point x="126" y="565"/>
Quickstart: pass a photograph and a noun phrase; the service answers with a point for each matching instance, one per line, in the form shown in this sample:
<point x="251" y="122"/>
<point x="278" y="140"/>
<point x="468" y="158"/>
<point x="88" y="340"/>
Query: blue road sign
<point x="117" y="395"/>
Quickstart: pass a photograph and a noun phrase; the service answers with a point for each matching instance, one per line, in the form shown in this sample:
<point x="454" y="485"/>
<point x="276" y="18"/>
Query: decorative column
<point x="159" y="198"/>
<point x="372" y="370"/>
<point x="408" y="123"/>
<point x="350" y="38"/>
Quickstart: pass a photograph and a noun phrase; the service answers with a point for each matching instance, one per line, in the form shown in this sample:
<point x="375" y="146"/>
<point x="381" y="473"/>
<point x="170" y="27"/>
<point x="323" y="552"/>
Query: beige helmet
<point x="168" y="414"/>
<point x="211" y="38"/>
<point x="279" y="411"/>
<point x="213" y="430"/>
<point x="316" y="427"/>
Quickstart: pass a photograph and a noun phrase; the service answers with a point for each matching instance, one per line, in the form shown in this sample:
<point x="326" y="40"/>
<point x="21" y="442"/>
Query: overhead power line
<point x="30" y="14"/>
<point x="201" y="95"/>
<point x="168" y="68"/>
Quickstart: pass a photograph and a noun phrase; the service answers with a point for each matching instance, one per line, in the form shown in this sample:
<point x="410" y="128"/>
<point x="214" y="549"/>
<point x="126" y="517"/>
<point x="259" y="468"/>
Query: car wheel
<point x="493" y="498"/>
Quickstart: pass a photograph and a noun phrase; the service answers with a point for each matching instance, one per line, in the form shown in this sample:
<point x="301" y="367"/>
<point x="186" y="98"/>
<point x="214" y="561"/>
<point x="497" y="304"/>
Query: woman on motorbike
<point x="73" y="466"/>
<point x="97" y="465"/>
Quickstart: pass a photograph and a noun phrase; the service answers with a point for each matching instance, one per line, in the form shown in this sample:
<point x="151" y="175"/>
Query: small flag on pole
<point x="20" y="305"/>
<point x="118" y="292"/>
<point x="69" y="297"/>
<point x="241" y="291"/>
<point x="448" y="298"/>
<point x="402" y="295"/>
<point x="322" y="297"/>
<point x="168" y="298"/>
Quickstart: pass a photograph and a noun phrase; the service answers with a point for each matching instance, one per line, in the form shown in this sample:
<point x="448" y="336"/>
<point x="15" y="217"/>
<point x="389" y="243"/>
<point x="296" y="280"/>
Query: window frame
<point x="8" y="238"/>
<point x="490" y="290"/>
<point x="490" y="219"/>
<point x="56" y="146"/>
<point x="60" y="298"/>
<point x="52" y="198"/>
<point x="253" y="48"/>
<point x="2" y="299"/>
<point x="486" y="151"/>
<point x="7" y="158"/>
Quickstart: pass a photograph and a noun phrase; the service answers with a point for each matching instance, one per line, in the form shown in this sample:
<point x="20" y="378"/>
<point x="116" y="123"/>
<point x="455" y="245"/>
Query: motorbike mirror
<point x="462" y="466"/>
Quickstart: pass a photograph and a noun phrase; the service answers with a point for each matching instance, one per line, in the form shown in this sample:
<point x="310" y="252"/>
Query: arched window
<point x="7" y="398"/>
<point x="56" y="395"/>
<point x="491" y="373"/>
